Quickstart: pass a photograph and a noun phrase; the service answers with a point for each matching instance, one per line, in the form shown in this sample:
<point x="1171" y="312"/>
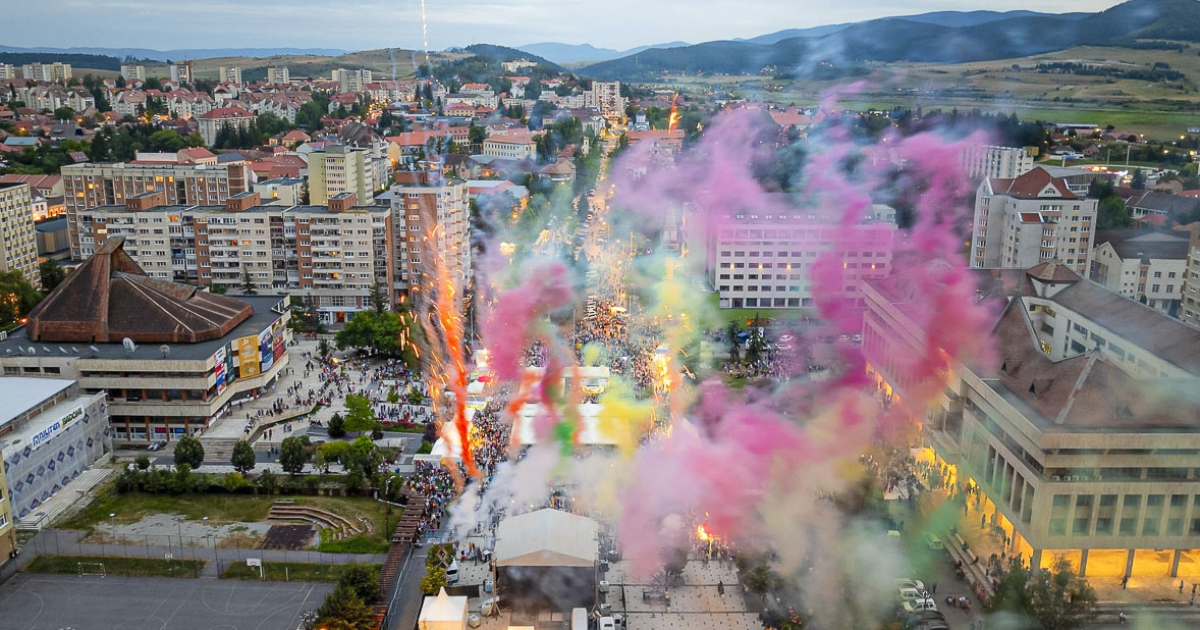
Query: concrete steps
<point x="218" y="449"/>
<point x="62" y="501"/>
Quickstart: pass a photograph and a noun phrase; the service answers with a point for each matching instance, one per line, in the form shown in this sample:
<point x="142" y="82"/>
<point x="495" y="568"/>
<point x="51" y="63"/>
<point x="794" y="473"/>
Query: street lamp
<point x="387" y="509"/>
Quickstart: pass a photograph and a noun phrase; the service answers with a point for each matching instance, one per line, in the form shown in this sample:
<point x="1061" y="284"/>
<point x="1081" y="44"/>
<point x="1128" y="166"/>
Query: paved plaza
<point x="54" y="602"/>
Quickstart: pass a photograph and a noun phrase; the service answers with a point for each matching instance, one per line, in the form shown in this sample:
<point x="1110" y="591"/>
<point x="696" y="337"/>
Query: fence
<point x="53" y="542"/>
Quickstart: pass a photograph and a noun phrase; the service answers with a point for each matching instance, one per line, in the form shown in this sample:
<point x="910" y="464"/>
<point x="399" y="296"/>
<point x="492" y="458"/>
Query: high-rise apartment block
<point x="46" y="71"/>
<point x="432" y="233"/>
<point x="132" y="71"/>
<point x="182" y="72"/>
<point x="1031" y="219"/>
<point x="1002" y="162"/>
<point x="90" y="185"/>
<point x="337" y="170"/>
<point x="229" y="75"/>
<point x="332" y="254"/>
<point x="352" y="80"/>
<point x="278" y="75"/>
<point x="18" y="245"/>
<point x="606" y="97"/>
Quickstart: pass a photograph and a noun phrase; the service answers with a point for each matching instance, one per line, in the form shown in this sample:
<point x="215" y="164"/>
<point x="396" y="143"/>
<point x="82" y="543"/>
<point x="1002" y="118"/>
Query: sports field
<point x="56" y="602"/>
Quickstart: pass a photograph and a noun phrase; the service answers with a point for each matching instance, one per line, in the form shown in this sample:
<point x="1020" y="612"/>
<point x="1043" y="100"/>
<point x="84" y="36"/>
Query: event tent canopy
<point x="444" y="612"/>
<point x="547" y="538"/>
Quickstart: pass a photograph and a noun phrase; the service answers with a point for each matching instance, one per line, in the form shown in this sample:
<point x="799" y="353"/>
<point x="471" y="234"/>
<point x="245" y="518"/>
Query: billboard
<point x="219" y="368"/>
<point x="248" y="357"/>
<point x="266" y="350"/>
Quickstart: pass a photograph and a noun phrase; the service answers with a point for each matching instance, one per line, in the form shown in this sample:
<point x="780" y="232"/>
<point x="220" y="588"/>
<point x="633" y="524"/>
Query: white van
<point x="452" y="573"/>
<point x="579" y="619"/>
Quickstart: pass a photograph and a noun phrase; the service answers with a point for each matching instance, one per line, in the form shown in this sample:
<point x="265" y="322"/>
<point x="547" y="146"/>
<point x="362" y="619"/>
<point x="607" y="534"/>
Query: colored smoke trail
<point x="425" y="33"/>
<point x="761" y="463"/>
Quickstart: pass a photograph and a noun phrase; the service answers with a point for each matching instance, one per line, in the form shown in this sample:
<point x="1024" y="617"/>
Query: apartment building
<point x="606" y="97"/>
<point x="8" y="71"/>
<point x="227" y="74"/>
<point x="18" y="245"/>
<point x="987" y="161"/>
<point x="1081" y="437"/>
<point x="8" y="528"/>
<point x="352" y="80"/>
<point x="339" y="169"/>
<point x="278" y="75"/>
<point x="1031" y="219"/>
<point x="432" y="233"/>
<point x="288" y="191"/>
<point x="182" y="72"/>
<point x="192" y="353"/>
<point x="214" y="120"/>
<point x="52" y="72"/>
<point x="1147" y="266"/>
<point x="762" y="258"/>
<point x="1189" y="305"/>
<point x="133" y="72"/>
<point x="333" y="254"/>
<point x="91" y="185"/>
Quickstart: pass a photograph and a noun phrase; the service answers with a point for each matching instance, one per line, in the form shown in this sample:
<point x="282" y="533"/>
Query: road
<point x="406" y="603"/>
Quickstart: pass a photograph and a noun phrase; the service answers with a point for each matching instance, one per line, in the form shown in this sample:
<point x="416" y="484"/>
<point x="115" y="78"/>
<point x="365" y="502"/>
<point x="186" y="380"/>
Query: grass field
<point x="224" y="508"/>
<point x="126" y="567"/>
<point x="286" y="571"/>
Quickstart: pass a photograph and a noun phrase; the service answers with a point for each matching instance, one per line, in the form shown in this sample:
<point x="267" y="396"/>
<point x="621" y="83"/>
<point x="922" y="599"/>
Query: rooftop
<point x="20" y="394"/>
<point x="1144" y="245"/>
<point x="1035" y="184"/>
<point x="24" y="436"/>
<point x="109" y="298"/>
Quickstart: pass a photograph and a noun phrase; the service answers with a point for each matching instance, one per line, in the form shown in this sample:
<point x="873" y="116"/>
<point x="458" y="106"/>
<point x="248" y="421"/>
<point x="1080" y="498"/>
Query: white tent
<point x="443" y="612"/>
<point x="546" y="538"/>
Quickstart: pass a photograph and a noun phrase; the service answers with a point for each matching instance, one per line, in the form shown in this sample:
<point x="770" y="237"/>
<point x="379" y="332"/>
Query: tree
<point x="359" y="415"/>
<point x="243" y="458"/>
<point x="336" y="427"/>
<point x="293" y="455"/>
<point x="477" y="134"/>
<point x="142" y="462"/>
<point x="1139" y="180"/>
<point x="377" y="298"/>
<point x="434" y="580"/>
<point x="64" y="113"/>
<point x="324" y="349"/>
<point x="189" y="451"/>
<point x="1052" y="599"/>
<point x="52" y="274"/>
<point x="247" y="282"/>
<point x="343" y="609"/>
<point x="1112" y="214"/>
<point x="363" y="580"/>
<point x="382" y="333"/>
<point x="268" y="482"/>
<point x="17" y="298"/>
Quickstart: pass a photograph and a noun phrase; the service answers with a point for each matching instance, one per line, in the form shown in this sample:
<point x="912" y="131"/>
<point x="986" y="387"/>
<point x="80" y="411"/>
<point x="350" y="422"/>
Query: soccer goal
<point x="92" y="568"/>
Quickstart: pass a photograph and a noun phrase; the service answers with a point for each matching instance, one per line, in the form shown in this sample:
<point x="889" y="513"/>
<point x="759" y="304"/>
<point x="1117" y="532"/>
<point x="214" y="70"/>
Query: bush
<point x="189" y="451"/>
<point x="142" y="462"/>
<point x="425" y="448"/>
<point x="268" y="482"/>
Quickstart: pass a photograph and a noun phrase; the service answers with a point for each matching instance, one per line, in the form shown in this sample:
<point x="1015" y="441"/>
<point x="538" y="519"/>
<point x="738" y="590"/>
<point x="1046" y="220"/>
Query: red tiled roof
<point x="221" y="113"/>
<point x="1029" y="185"/>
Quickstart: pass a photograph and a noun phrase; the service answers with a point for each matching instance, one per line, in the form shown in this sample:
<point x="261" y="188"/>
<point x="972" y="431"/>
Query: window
<point x="1058" y="526"/>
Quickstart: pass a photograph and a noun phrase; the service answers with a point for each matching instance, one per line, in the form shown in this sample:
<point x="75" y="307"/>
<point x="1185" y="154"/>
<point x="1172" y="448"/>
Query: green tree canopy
<point x="381" y="333"/>
<point x="52" y="274"/>
<point x="343" y="609"/>
<point x="1112" y="213"/>
<point x="293" y="454"/>
<point x="359" y="415"/>
<point x="189" y="451"/>
<point x="364" y="580"/>
<point x="243" y="458"/>
<point x="1051" y="599"/>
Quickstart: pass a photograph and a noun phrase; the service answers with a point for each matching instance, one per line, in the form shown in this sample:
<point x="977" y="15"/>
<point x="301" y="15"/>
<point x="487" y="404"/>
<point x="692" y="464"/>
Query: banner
<point x="266" y="350"/>
<point x="248" y="357"/>
<point x="219" y="368"/>
<point x="47" y="434"/>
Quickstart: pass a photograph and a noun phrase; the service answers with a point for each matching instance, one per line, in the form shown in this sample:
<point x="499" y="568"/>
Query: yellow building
<point x="8" y="528"/>
<point x="1082" y="436"/>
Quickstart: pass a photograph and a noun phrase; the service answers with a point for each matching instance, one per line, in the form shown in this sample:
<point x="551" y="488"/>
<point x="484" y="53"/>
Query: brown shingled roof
<point x="109" y="298"/>
<point x="1028" y="186"/>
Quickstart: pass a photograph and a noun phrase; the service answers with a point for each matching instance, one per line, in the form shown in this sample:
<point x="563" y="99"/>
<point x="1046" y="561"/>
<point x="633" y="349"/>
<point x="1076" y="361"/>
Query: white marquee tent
<point x="444" y="612"/>
<point x="547" y="538"/>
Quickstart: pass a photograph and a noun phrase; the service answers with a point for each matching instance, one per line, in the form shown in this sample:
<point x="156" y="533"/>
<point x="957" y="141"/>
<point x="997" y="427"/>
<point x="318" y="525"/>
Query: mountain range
<point x="180" y="54"/>
<point x="577" y="53"/>
<point x="942" y="37"/>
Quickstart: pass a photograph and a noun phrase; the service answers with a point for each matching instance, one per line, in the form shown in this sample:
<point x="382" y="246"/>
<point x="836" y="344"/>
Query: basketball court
<point x="61" y="602"/>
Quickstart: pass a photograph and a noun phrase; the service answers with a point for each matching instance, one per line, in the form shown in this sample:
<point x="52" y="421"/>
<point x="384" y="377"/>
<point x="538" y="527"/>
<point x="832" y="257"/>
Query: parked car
<point x="933" y="541"/>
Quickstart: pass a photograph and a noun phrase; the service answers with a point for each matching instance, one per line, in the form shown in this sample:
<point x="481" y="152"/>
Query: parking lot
<point x="57" y="602"/>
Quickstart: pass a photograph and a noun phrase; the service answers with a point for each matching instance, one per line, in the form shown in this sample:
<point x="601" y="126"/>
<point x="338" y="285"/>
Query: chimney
<point x="342" y="202"/>
<point x="145" y="201"/>
<point x="242" y="202"/>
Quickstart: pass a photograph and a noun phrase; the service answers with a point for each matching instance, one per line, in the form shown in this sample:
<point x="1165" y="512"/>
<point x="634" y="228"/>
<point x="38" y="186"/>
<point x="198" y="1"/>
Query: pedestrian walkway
<point x="62" y="501"/>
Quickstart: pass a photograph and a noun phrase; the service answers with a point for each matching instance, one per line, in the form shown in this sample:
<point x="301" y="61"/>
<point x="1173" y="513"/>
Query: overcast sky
<point x="369" y="24"/>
